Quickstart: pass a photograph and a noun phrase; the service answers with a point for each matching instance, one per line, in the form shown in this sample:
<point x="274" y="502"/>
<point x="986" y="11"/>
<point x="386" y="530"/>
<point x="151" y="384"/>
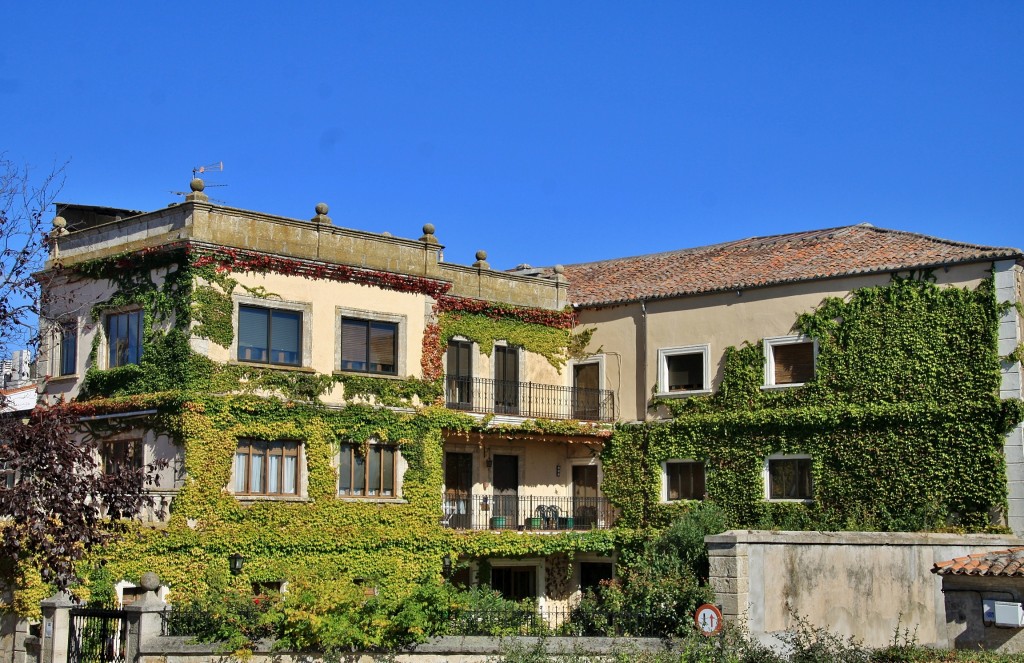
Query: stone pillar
<point x="56" y="624"/>
<point x="144" y="617"/>
<point x="729" y="575"/>
<point x="17" y="637"/>
<point x="1005" y="275"/>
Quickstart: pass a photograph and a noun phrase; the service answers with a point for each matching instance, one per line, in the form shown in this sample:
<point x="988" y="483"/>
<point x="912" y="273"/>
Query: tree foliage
<point x="57" y="495"/>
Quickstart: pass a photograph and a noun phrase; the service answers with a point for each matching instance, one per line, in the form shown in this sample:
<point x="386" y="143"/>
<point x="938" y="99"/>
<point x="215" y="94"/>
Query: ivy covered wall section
<point x="902" y="420"/>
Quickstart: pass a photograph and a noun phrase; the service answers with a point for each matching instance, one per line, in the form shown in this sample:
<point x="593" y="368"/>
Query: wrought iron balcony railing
<point x="529" y="399"/>
<point x="529" y="512"/>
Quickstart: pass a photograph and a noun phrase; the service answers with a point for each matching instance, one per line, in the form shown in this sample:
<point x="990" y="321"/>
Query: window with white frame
<point x="682" y="480"/>
<point x="683" y="370"/>
<point x="789" y="360"/>
<point x="267" y="468"/>
<point x="788" y="477"/>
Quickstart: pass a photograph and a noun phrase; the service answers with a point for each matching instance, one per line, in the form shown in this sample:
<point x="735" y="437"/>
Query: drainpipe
<point x="641" y="360"/>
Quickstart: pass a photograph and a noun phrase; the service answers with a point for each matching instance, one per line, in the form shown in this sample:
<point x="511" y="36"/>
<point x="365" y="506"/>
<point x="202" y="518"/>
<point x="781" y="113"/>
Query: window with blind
<point x="267" y="468"/>
<point x="369" y="346"/>
<point x="683" y="369"/>
<point x="367" y="472"/>
<point x="684" y="480"/>
<point x="789" y="478"/>
<point x="789" y="361"/>
<point x="269" y="336"/>
<point x="124" y="338"/>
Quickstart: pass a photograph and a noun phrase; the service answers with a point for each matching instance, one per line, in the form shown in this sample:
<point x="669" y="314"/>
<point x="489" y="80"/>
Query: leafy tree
<point x="58" y="496"/>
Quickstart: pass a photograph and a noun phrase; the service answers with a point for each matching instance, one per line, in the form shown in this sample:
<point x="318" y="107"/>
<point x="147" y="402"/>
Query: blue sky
<point x="542" y="132"/>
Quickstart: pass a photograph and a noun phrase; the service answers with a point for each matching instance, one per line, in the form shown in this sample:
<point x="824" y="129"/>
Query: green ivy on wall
<point x="902" y="420"/>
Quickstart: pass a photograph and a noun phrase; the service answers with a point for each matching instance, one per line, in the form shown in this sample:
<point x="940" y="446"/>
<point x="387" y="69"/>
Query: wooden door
<point x="586" y="402"/>
<point x="506" y="488"/>
<point x="585" y="503"/>
<point x="458" y="487"/>
<point x="506" y="379"/>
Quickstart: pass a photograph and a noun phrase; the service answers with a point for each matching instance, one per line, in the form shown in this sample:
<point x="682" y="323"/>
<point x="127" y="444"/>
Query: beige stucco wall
<point x="320" y="302"/>
<point x="545" y="468"/>
<point x="861" y="584"/>
<point x="966" y="627"/>
<point x="717" y="320"/>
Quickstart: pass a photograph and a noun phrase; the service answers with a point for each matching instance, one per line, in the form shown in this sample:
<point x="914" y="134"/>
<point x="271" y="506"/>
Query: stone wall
<point x="860" y="584"/>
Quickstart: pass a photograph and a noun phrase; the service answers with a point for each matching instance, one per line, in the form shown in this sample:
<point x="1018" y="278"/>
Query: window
<point x="684" y="480"/>
<point x="515" y="582"/>
<point x="121" y="455"/>
<point x="7" y="477"/>
<point x="369" y="346"/>
<point x="369" y="474"/>
<point x="682" y="370"/>
<point x="789" y="478"/>
<point x="789" y="360"/>
<point x="460" y="375"/>
<point x="66" y="347"/>
<point x="124" y="338"/>
<point x="266" y="468"/>
<point x="269" y="336"/>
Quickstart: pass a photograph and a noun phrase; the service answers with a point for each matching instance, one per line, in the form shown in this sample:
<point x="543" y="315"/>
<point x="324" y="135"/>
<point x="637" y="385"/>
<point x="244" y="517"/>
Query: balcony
<point x="531" y="513"/>
<point x="529" y="399"/>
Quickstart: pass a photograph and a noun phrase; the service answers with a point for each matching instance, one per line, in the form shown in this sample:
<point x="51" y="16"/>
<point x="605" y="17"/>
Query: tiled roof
<point x="761" y="261"/>
<point x="1004" y="563"/>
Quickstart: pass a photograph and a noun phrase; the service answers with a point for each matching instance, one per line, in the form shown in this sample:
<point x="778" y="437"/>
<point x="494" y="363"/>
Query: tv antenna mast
<point x="217" y="167"/>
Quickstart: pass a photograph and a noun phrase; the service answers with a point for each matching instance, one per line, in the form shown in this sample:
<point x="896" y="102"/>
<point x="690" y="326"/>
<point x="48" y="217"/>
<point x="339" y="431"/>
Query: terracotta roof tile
<point x="1004" y="563"/>
<point x="761" y="261"/>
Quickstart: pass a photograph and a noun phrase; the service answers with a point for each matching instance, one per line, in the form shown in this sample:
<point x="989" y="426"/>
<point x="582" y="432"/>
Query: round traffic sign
<point x="708" y="619"/>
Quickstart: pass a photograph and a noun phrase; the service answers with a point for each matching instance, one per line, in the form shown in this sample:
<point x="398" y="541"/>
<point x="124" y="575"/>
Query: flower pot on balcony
<point x="497" y="522"/>
<point x="534" y="523"/>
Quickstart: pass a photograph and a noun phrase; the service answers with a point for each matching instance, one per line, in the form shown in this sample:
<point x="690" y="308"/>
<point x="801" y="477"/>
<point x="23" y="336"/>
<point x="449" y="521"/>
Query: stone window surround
<point x="103" y="350"/>
<point x="766" y="476"/>
<point x="769" y="343"/>
<point x="305" y="308"/>
<point x="664" y="476"/>
<point x="664" y="353"/>
<point x="400" y="320"/>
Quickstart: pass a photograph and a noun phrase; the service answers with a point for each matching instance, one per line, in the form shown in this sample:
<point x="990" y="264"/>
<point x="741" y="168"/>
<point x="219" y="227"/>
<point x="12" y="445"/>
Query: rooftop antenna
<point x="209" y="168"/>
<point x="217" y="167"/>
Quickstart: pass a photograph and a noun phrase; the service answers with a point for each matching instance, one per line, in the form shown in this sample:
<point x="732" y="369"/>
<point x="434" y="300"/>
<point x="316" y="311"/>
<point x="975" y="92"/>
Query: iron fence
<point x="97" y="635"/>
<point x="529" y="512"/>
<point x="568" y="621"/>
<point x="529" y="399"/>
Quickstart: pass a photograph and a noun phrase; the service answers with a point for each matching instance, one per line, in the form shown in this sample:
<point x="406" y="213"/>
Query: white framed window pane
<point x="256" y="473"/>
<point x="240" y="472"/>
<point x="273" y="473"/>
<point x="290" y="473"/>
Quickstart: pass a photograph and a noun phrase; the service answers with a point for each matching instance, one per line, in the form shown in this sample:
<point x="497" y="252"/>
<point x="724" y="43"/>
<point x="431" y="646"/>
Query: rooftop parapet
<point x="317" y="240"/>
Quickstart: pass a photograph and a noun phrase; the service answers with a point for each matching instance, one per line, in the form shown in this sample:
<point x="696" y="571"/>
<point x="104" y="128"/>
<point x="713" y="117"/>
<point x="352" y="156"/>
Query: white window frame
<point x="663" y="355"/>
<point x="766" y="478"/>
<point x="664" y="476"/>
<point x="769" y="358"/>
<point x="305" y="308"/>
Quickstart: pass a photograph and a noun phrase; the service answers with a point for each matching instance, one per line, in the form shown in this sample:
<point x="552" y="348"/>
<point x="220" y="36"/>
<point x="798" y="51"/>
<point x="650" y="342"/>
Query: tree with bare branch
<point x="24" y="227"/>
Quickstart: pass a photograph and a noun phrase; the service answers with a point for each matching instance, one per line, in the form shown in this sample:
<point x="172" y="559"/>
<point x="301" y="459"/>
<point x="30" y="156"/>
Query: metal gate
<point x="97" y="636"/>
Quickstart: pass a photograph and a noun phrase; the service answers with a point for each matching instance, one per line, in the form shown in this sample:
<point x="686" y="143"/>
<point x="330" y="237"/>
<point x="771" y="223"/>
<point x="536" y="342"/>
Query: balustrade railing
<point x="529" y="399"/>
<point x="528" y="512"/>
